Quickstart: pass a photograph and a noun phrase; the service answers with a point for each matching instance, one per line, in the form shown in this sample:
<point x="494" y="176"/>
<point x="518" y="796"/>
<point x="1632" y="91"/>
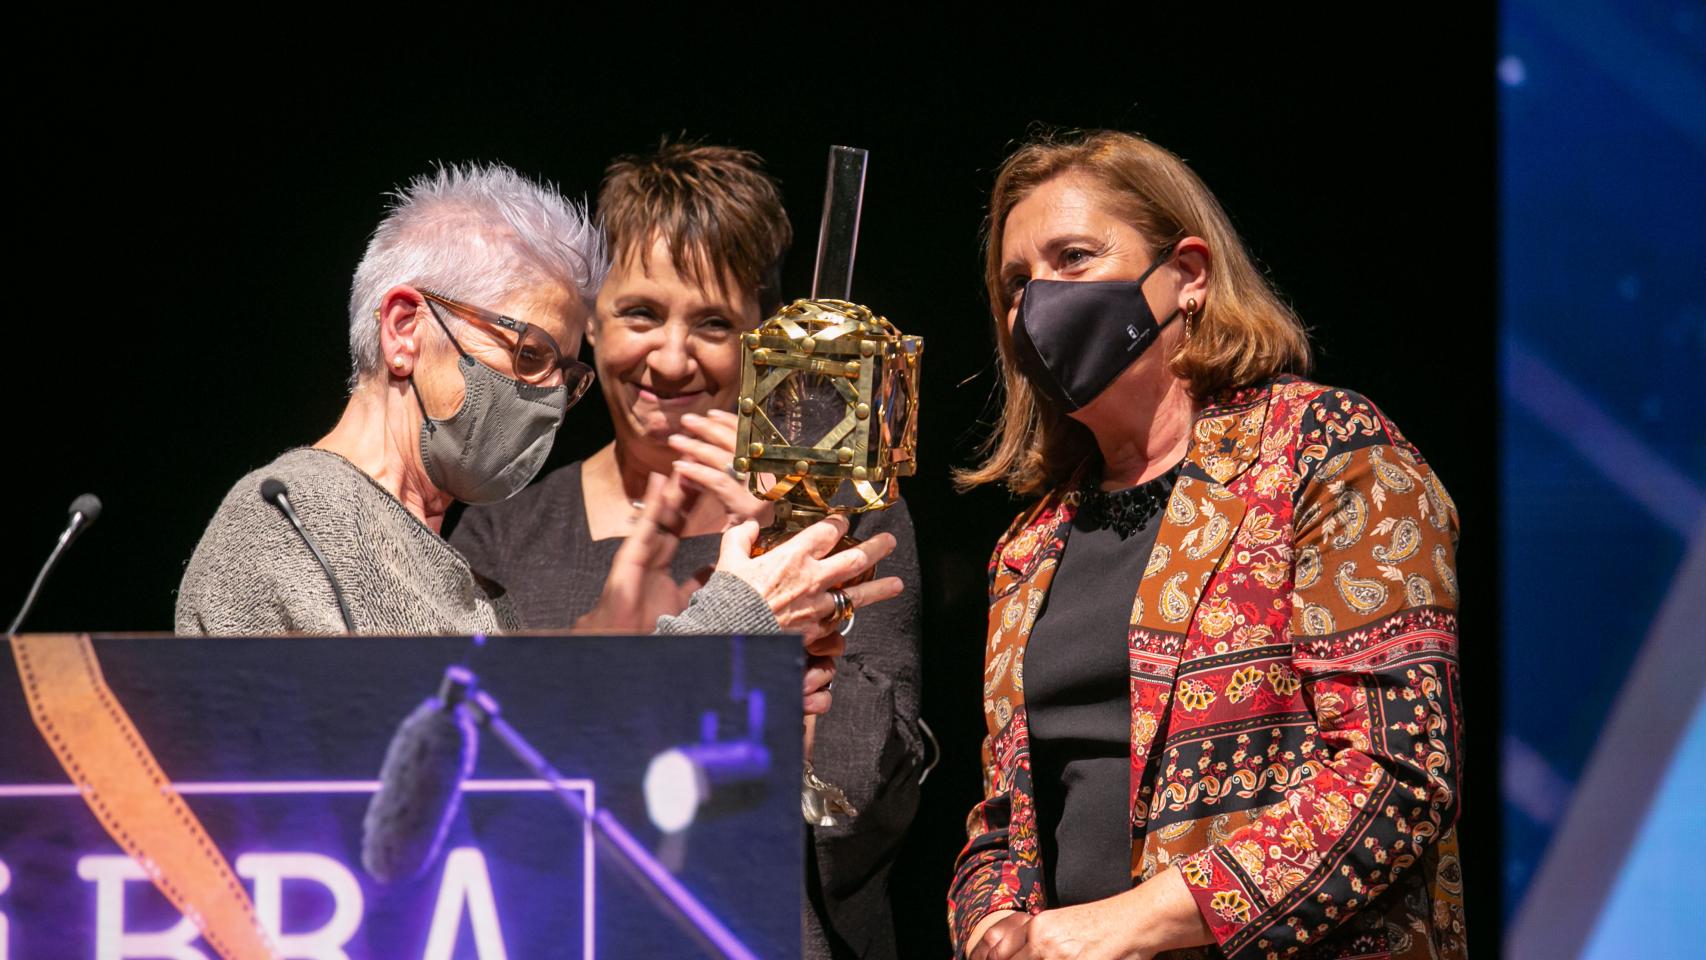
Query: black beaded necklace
<point x="1123" y="511"/>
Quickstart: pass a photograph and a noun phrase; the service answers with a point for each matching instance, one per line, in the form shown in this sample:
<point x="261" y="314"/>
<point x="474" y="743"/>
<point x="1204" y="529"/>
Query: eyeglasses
<point x="535" y="355"/>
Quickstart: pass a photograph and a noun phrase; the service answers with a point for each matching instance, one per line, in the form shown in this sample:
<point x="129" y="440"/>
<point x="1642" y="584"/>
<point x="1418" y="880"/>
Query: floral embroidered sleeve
<point x="998" y="868"/>
<point x="1374" y="633"/>
<point x="986" y="879"/>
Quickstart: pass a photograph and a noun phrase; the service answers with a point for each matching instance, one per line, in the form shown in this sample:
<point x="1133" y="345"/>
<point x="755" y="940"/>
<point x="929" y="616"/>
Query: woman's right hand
<point x="999" y="935"/>
<point x="795" y="577"/>
<point x="640" y="587"/>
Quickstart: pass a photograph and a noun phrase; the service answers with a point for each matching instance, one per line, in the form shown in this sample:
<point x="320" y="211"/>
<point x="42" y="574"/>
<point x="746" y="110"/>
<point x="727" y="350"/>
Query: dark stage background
<point x="191" y="219"/>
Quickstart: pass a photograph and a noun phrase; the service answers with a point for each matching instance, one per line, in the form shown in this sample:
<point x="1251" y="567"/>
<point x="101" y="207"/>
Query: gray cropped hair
<point x="476" y="233"/>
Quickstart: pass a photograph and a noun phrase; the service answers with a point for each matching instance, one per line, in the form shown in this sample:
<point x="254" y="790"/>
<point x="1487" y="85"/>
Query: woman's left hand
<point x="707" y="452"/>
<point x="1153" y="917"/>
<point x="1101" y="930"/>
<point x="798" y="577"/>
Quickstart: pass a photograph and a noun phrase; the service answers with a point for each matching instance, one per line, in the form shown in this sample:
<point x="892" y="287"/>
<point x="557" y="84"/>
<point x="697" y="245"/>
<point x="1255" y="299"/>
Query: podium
<point x="275" y="745"/>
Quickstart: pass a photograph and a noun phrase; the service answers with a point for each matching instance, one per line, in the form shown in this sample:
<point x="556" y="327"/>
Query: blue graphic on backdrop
<point x="1603" y="255"/>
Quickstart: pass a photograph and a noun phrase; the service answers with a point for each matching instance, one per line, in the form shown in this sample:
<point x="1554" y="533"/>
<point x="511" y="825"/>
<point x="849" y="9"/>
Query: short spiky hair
<point x="717" y="210"/>
<point x="477" y="233"/>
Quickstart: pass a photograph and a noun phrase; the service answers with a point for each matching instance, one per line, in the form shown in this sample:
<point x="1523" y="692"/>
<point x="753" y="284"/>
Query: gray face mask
<point x="495" y="443"/>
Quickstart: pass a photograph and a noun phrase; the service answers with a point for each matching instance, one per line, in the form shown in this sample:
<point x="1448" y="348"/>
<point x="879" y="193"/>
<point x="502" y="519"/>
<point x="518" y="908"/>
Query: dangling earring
<point x="1192" y="312"/>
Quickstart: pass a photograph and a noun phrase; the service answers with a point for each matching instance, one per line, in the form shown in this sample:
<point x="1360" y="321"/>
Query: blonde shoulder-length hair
<point x="1244" y="335"/>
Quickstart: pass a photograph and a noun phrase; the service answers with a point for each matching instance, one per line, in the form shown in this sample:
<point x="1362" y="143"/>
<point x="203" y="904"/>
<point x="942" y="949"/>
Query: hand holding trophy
<point x="828" y="412"/>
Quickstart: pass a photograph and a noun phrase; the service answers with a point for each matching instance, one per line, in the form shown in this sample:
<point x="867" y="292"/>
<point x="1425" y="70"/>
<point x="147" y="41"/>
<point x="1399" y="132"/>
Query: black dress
<point x="538" y="546"/>
<point x="1078" y="695"/>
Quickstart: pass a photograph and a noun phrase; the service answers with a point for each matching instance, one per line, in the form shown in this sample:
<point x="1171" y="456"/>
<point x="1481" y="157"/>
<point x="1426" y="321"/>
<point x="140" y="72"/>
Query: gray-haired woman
<point x="465" y="316"/>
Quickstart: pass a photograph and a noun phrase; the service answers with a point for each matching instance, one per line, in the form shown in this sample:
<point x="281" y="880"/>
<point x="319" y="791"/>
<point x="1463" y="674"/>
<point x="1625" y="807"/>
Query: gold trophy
<point x="828" y="408"/>
<point x="828" y="405"/>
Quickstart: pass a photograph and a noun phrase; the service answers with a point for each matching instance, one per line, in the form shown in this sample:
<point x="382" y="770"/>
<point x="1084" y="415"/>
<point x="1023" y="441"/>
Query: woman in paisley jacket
<point x="1221" y="683"/>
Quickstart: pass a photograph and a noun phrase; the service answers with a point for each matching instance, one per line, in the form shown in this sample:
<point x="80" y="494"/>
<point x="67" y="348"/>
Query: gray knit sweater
<point x="252" y="574"/>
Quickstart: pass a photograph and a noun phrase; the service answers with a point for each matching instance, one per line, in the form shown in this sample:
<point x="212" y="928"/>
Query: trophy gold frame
<point x="828" y="412"/>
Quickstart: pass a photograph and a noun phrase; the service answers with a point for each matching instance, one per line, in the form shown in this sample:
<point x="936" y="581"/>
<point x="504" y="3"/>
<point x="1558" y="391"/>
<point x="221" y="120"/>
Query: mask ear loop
<point x="433" y="308"/>
<point x="1161" y="257"/>
<point x="431" y="425"/>
<point x="426" y="418"/>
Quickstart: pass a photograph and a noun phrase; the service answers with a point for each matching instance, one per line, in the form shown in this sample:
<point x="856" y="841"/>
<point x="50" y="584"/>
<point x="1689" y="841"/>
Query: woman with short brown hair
<point x="1221" y="676"/>
<point x="697" y="234"/>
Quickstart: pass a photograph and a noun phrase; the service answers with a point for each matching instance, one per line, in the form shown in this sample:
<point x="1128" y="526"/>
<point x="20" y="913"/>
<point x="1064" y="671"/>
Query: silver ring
<point x="737" y="475"/>
<point x="843" y="605"/>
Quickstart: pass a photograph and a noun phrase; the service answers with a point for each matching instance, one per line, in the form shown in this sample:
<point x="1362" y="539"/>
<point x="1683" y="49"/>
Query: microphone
<point x="276" y="493"/>
<point x="420" y="784"/>
<point x="84" y="511"/>
<point x="420" y="787"/>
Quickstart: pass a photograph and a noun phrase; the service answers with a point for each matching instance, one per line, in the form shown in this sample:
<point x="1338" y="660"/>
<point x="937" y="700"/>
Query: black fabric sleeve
<point x="869" y="742"/>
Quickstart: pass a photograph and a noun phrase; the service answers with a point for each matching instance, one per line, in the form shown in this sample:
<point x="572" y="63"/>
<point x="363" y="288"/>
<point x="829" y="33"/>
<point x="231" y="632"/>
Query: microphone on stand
<point x="276" y="493"/>
<point x="84" y="511"/>
<point x="420" y="784"/>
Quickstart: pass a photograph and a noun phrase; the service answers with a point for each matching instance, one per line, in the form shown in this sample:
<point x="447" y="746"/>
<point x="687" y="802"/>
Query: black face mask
<point x="1074" y="337"/>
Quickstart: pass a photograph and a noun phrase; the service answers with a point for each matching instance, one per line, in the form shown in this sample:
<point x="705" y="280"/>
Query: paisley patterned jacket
<point x="1295" y="736"/>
